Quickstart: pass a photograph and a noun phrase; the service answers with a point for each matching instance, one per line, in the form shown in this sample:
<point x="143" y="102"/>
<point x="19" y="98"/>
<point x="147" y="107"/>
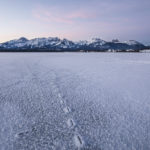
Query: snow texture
<point x="71" y="101"/>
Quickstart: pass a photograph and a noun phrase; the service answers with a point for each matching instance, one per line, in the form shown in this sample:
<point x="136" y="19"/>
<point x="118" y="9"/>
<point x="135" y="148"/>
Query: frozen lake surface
<point x="71" y="101"/>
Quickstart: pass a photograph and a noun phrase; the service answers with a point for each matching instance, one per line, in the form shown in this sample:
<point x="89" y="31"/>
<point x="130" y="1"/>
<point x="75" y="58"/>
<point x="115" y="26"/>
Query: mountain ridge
<point x="57" y="44"/>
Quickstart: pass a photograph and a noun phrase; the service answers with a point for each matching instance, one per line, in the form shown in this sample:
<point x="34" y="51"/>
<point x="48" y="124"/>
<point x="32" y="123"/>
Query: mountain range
<point x="57" y="44"/>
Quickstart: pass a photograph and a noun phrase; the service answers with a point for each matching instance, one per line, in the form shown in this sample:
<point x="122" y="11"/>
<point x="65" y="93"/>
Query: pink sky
<point x="80" y="19"/>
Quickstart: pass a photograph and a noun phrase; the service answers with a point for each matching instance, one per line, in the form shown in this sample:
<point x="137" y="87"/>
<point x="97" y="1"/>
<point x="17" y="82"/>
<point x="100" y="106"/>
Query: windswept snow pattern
<point x="74" y="101"/>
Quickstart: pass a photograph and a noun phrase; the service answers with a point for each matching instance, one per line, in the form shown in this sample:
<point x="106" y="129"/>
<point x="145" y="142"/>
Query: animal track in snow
<point x="61" y="101"/>
<point x="59" y="95"/>
<point x="70" y="123"/>
<point x="78" y="141"/>
<point x="66" y="109"/>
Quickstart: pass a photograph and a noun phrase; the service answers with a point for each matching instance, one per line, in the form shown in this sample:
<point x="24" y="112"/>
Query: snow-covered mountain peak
<point x="132" y="42"/>
<point x="83" y="42"/>
<point x="98" y="41"/>
<point x="55" y="43"/>
<point x="22" y="39"/>
<point x="115" y="41"/>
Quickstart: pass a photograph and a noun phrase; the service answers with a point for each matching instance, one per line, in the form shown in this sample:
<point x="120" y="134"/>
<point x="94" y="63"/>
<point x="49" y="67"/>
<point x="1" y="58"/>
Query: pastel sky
<point x="75" y="19"/>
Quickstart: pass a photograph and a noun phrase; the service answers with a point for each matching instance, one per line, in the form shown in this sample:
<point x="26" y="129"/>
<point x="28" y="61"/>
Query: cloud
<point x="106" y="18"/>
<point x="58" y="15"/>
<point x="50" y="17"/>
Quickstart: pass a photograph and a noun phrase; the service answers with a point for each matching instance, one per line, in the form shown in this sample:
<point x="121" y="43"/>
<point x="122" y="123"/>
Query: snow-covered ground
<point x="69" y="101"/>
